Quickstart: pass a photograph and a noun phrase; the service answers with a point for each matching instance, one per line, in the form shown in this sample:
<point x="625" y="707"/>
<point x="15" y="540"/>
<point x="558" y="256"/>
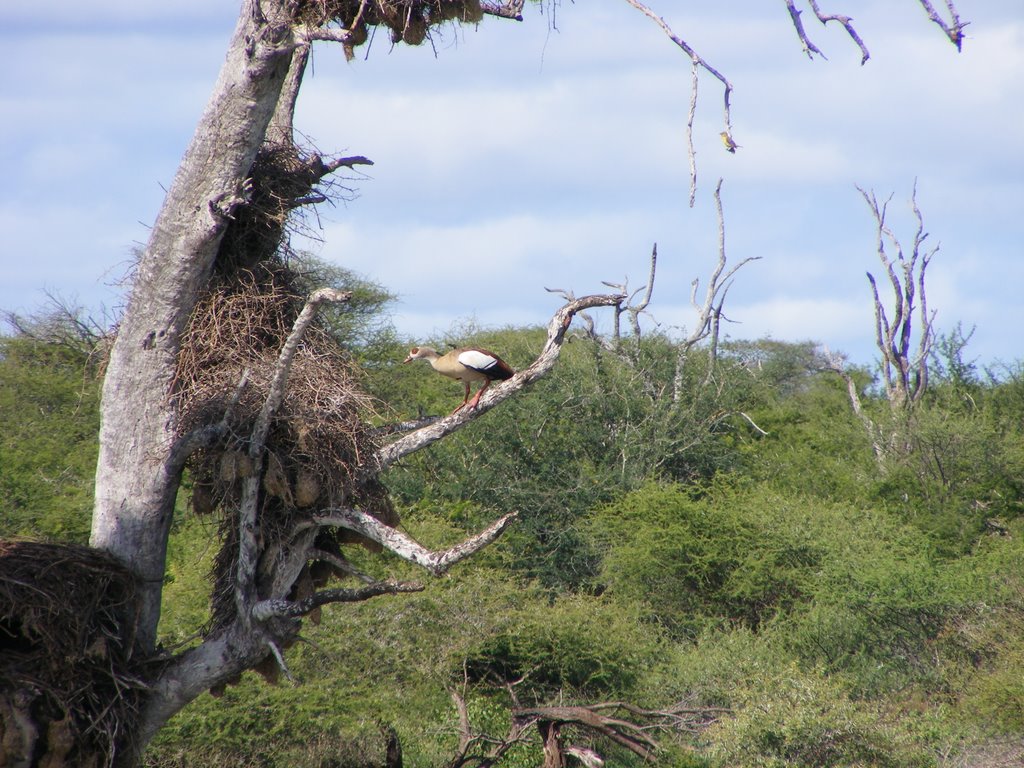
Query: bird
<point x="466" y="364"/>
<point x="730" y="145"/>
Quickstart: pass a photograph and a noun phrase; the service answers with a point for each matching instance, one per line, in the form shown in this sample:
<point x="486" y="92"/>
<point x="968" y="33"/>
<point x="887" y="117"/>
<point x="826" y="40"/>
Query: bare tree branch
<point x="632" y="310"/>
<point x="954" y="29"/>
<point x="709" y="311"/>
<point x="847" y="24"/>
<point x="407" y="548"/>
<point x="698" y="62"/>
<point x="690" y="115"/>
<point x="267" y="609"/>
<point x="540" y="367"/>
<point x="809" y="48"/>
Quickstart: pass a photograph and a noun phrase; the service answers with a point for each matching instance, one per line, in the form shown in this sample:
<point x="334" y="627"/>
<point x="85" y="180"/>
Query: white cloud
<point x="527" y="156"/>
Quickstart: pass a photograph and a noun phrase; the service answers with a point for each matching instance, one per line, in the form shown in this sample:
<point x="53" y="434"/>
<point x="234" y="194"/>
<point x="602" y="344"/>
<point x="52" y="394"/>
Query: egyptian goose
<point x="467" y="364"/>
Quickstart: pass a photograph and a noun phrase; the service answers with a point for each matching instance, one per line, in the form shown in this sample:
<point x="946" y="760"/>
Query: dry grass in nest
<point x="280" y="175"/>
<point x="409" y="21"/>
<point x="317" y="442"/>
<point x="69" y="689"/>
<point x="320" y="433"/>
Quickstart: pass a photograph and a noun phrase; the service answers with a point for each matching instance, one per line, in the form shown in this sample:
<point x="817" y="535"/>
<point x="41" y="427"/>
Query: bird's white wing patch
<point x="477" y="360"/>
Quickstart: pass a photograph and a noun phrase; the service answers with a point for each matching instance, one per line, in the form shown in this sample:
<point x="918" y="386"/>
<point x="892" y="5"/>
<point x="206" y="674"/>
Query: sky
<point x="514" y="157"/>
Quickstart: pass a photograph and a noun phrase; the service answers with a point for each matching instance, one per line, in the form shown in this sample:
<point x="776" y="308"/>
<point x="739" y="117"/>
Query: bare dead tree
<point x="904" y="369"/>
<point x="904" y="362"/>
<point x="709" y="309"/>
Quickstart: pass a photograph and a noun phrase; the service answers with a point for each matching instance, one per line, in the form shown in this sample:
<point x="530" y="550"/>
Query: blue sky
<point x="552" y="154"/>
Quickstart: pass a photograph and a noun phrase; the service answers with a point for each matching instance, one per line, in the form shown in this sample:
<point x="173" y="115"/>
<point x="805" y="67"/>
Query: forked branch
<point x="406" y="547"/>
<point x="708" y="309"/>
<point x="954" y="28"/>
<point x="845" y="21"/>
<point x="540" y="367"/>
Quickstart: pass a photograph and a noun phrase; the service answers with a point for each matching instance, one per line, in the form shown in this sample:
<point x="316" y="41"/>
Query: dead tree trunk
<point x="136" y="478"/>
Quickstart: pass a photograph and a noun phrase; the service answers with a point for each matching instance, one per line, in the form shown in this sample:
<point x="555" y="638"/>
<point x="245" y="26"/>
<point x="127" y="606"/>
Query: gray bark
<point x="136" y="476"/>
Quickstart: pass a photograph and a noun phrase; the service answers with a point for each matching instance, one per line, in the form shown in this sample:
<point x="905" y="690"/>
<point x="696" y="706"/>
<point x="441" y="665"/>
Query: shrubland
<point x="738" y="549"/>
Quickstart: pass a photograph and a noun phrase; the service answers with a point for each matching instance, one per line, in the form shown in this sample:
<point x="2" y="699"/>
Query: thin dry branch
<point x="633" y="310"/>
<point x="267" y="609"/>
<point x="557" y="327"/>
<point x="810" y="48"/>
<point x="847" y="24"/>
<point x="406" y="547"/>
<point x="709" y="310"/>
<point x="954" y="29"/>
<point x="690" y="115"/>
<point x="698" y="62"/>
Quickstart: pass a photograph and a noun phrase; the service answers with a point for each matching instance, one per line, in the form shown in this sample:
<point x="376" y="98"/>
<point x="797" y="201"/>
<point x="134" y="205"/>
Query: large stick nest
<point x="320" y="437"/>
<point x="69" y="688"/>
<point x="409" y="21"/>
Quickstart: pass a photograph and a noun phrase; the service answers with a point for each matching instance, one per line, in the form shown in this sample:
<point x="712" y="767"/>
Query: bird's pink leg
<point x="464" y="401"/>
<point x="476" y="399"/>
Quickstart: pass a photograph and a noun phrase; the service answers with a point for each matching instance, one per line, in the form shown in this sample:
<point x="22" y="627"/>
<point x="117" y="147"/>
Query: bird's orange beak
<point x="409" y="359"/>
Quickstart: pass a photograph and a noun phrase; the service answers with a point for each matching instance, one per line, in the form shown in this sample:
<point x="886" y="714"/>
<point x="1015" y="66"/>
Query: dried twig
<point x="698" y="62"/>
<point x="954" y="29"/>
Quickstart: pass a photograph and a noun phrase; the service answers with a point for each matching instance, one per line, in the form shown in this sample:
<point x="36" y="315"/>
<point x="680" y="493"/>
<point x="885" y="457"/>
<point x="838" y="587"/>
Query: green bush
<point x="49" y="418"/>
<point x="696" y="558"/>
<point x="790" y="718"/>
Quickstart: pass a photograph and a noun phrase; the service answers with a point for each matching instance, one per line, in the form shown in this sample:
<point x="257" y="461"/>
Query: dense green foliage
<point x="49" y="417"/>
<point x="739" y="548"/>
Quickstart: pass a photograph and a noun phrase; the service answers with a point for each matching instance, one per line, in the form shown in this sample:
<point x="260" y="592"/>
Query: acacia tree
<point x="221" y="230"/>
